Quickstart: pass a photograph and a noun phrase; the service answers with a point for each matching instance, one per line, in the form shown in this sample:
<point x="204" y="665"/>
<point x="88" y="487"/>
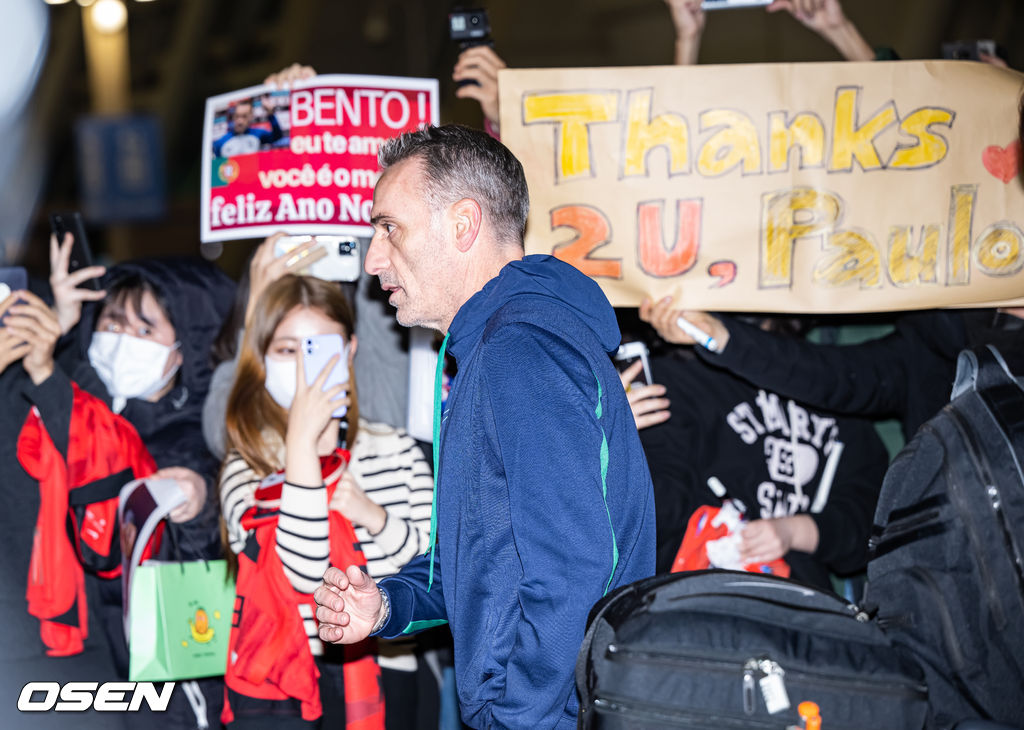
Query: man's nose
<point x="375" y="260"/>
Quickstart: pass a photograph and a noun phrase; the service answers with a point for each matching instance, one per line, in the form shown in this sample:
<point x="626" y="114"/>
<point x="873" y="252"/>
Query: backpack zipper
<point x="765" y="666"/>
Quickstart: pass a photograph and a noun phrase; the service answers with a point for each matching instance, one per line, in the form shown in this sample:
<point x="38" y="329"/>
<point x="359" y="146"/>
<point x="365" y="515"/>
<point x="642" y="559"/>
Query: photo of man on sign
<point x="304" y="157"/>
<point x="243" y="135"/>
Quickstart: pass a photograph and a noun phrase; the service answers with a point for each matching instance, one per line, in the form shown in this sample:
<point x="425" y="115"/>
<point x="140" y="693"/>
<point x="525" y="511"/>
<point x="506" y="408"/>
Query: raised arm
<point x="869" y="379"/>
<point x="826" y="18"/>
<point x="688" y="19"/>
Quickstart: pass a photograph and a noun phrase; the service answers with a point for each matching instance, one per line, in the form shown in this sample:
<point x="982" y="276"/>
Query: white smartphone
<point x="627" y="354"/>
<point x="340" y="264"/>
<point x="729" y="4"/>
<point x="316" y="351"/>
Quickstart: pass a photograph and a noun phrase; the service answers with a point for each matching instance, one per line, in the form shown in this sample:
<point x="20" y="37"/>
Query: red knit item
<point x="100" y="444"/>
<point x="272" y="659"/>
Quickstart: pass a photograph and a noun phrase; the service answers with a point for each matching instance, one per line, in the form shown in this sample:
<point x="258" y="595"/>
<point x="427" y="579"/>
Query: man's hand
<point x="12" y="347"/>
<point x="67" y="296"/>
<point x="480" y="64"/>
<point x="662" y="316"/>
<point x="826" y="18"/>
<point x="688" y="19"/>
<point x="767" y="540"/>
<point x="194" y="487"/>
<point x="646" y="401"/>
<point x="348" y="604"/>
<point x="34" y="323"/>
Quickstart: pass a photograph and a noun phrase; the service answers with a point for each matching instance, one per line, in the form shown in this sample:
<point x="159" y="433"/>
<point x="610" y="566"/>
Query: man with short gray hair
<point x="543" y="500"/>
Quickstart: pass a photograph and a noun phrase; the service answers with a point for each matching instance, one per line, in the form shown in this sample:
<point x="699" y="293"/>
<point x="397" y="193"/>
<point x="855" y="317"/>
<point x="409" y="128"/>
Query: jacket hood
<point x="198" y="296"/>
<point x="553" y="283"/>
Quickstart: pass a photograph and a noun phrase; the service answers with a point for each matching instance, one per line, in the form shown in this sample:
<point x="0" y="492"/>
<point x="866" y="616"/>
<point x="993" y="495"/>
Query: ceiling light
<point x="109" y="16"/>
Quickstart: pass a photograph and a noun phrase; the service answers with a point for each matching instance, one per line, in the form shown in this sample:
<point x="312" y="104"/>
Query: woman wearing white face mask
<point x="134" y="349"/>
<point x="143" y="349"/>
<point x="293" y="503"/>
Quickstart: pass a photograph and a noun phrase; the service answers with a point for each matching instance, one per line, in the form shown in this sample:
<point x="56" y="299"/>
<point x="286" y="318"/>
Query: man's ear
<point x="466" y="217"/>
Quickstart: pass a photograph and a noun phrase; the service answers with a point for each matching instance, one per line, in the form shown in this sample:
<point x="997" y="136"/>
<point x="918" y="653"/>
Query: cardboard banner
<point x="839" y="187"/>
<point x="304" y="159"/>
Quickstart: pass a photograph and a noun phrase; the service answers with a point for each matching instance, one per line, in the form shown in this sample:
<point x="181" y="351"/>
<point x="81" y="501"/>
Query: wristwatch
<point x="386" y="613"/>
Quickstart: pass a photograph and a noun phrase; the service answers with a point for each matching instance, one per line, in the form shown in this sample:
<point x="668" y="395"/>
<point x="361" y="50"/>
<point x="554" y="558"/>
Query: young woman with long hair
<point x="294" y="502"/>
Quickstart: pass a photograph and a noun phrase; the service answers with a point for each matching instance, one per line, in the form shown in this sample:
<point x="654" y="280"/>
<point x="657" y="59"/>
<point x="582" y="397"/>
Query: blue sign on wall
<point x="121" y="168"/>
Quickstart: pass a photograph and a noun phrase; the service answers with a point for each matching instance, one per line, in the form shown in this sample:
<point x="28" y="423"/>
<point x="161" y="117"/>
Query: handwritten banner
<point x="303" y="159"/>
<point x="847" y="187"/>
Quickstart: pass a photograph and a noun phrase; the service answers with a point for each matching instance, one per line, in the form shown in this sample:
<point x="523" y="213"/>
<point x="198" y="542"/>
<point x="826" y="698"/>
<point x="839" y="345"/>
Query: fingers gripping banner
<point x="846" y="187"/>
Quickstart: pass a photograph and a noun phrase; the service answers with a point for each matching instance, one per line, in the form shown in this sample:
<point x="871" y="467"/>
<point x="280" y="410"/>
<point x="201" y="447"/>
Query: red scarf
<point x="271" y="649"/>
<point x="78" y="496"/>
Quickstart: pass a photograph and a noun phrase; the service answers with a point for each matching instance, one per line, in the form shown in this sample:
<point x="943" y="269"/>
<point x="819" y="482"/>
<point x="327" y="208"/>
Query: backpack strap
<point x="979" y="369"/>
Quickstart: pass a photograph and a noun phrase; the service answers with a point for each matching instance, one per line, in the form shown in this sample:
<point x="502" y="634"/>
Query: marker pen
<point x="703" y="338"/>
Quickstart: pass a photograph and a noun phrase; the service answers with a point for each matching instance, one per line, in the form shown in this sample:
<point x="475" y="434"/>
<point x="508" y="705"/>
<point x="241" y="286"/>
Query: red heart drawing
<point x="1003" y="163"/>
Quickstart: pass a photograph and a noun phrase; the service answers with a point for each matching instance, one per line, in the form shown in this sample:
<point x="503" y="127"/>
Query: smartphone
<point x="968" y="50"/>
<point x="81" y="256"/>
<point x="729" y="4"/>
<point x="12" y="278"/>
<point x="316" y="351"/>
<point x="340" y="264"/>
<point x="627" y="354"/>
<point x="469" y="27"/>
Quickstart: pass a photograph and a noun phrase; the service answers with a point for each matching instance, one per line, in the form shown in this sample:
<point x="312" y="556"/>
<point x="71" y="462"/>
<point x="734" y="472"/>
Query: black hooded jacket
<point x="198" y="297"/>
<point x="907" y="374"/>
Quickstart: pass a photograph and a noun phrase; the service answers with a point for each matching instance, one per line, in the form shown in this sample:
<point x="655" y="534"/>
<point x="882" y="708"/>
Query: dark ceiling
<point x="185" y="50"/>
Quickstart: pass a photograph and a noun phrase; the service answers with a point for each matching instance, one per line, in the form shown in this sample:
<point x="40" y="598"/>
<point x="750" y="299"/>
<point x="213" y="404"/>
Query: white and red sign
<point x="303" y="159"/>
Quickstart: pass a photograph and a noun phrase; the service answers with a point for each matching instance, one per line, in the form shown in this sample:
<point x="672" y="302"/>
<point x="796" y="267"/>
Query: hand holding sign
<point x="826" y="18"/>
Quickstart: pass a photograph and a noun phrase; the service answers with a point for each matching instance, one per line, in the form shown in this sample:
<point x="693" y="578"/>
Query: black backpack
<point x="723" y="649"/>
<point x="946" y="571"/>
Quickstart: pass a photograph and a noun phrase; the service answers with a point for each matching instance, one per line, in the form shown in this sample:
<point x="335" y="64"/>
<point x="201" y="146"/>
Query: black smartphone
<point x="81" y="256"/>
<point x="12" y="278"/>
<point x="469" y="27"/>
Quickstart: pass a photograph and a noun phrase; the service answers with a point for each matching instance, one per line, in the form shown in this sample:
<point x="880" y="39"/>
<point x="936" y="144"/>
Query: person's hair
<point x="129" y="291"/>
<point x="251" y="411"/>
<point x="460" y="162"/>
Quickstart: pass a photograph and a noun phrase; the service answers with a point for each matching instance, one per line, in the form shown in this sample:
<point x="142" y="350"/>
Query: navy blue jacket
<point x="544" y="499"/>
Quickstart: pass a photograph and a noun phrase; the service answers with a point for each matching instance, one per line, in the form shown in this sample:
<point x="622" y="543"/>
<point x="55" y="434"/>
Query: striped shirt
<point x="387" y="465"/>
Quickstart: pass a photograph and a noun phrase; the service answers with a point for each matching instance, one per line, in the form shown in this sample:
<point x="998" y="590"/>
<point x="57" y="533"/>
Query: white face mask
<point x="281" y="380"/>
<point x="130" y="367"/>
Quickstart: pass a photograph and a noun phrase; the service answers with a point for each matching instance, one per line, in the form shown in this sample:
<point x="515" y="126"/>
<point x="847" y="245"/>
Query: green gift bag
<point x="179" y="620"/>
